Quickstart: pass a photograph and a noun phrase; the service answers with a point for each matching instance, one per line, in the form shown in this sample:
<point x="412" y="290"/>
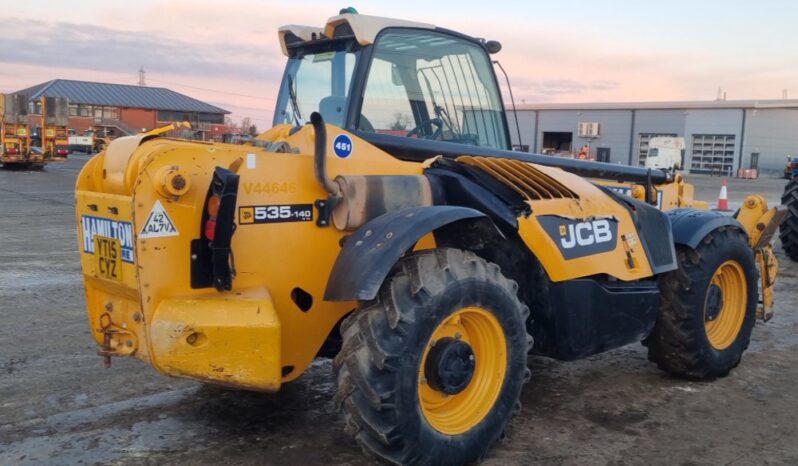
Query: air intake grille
<point x="522" y="177"/>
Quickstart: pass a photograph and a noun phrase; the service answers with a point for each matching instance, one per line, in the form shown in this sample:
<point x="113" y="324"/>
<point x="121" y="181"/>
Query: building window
<point x="643" y="140"/>
<point x="713" y="153"/>
<point x="217" y="118"/>
<point x="73" y="110"/>
<point x="168" y="115"/>
<point x="110" y="113"/>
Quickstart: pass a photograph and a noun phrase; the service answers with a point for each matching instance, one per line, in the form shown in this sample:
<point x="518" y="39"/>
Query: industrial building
<point x="120" y="109"/>
<point x="720" y="136"/>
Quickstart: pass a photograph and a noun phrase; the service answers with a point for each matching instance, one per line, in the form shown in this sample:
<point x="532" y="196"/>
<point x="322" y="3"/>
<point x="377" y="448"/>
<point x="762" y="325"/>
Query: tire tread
<point x="371" y="352"/>
<point x="677" y="344"/>
<point x="788" y="231"/>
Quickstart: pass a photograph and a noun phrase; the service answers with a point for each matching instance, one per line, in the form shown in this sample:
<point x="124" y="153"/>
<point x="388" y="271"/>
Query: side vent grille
<point x="522" y="177"/>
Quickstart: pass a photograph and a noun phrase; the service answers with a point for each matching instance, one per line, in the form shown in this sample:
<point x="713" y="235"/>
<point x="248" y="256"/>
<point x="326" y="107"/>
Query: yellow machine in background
<point x="15" y="135"/>
<point x="427" y="261"/>
<point x="54" y="134"/>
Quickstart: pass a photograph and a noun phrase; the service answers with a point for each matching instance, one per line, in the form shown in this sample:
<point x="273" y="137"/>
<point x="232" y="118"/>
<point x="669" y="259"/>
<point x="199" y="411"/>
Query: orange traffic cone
<point x="723" y="198"/>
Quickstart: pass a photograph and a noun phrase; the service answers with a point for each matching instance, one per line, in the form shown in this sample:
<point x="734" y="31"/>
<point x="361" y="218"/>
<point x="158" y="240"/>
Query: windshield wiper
<point x="292" y="98"/>
<point x="441" y="113"/>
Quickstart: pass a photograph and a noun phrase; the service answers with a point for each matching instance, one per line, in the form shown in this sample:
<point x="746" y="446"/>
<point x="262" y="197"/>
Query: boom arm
<point x="169" y="127"/>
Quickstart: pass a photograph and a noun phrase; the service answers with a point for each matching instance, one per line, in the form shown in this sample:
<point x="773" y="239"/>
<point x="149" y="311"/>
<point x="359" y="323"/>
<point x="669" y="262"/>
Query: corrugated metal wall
<point x="773" y="133"/>
<point x="614" y="128"/>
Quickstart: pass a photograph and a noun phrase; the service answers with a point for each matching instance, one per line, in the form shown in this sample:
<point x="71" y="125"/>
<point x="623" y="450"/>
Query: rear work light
<point x="211" y="255"/>
<point x="212" y="211"/>
<point x="210" y="229"/>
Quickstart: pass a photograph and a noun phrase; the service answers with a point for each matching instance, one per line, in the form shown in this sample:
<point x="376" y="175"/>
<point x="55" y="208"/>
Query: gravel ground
<point x="59" y="406"/>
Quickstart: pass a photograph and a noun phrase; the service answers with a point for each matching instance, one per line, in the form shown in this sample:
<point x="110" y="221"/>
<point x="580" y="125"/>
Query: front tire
<point x="708" y="308"/>
<point x="430" y="371"/>
<point x="788" y="231"/>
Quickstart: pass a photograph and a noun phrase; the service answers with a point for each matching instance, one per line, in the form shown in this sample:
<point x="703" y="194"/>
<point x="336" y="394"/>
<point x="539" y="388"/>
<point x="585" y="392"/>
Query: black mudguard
<point x="690" y="226"/>
<point x="368" y="254"/>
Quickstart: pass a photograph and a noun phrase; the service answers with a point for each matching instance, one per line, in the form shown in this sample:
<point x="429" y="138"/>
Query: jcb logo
<point x="578" y="238"/>
<point x="585" y="233"/>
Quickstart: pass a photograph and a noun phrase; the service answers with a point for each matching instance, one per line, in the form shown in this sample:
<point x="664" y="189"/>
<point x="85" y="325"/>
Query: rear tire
<point x="436" y="303"/>
<point x="788" y="231"/>
<point x="708" y="308"/>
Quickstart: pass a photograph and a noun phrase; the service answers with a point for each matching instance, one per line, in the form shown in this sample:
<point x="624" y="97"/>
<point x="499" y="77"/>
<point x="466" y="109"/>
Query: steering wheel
<point x="365" y="125"/>
<point x="421" y="126"/>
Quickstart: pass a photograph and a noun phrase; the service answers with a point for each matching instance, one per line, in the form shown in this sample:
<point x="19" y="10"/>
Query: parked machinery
<point x="91" y="141"/>
<point x="788" y="232"/>
<point x="791" y="167"/>
<point x="16" y="134"/>
<point x="53" y="132"/>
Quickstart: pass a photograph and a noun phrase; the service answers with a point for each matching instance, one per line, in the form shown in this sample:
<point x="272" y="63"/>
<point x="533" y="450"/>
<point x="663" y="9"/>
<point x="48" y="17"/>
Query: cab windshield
<point x="317" y="82"/>
<point x="436" y="86"/>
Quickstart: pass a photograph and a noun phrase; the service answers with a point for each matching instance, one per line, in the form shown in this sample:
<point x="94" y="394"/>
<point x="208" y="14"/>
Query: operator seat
<point x="332" y="109"/>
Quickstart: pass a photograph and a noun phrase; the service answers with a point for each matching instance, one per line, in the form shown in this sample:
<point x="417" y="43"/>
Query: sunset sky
<point x="226" y="52"/>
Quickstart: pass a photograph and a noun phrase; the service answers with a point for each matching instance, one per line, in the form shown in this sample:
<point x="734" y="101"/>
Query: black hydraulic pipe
<point x="417" y="150"/>
<point x="649" y="193"/>
<point x="320" y="156"/>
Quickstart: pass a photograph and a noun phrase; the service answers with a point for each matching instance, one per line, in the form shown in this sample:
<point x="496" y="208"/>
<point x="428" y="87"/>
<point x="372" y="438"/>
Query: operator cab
<point x="392" y="78"/>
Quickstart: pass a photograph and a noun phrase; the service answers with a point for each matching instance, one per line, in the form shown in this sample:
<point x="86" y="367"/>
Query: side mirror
<point x="493" y="46"/>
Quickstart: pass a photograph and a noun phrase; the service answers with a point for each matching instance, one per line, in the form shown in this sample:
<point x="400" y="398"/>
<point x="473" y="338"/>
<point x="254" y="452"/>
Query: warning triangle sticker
<point x="158" y="223"/>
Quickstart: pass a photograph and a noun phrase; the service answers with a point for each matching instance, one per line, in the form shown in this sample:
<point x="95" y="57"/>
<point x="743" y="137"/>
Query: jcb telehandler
<point x="397" y="233"/>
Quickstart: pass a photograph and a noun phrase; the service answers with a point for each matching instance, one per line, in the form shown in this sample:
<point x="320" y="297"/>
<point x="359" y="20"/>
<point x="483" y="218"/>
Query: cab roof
<point x="364" y="28"/>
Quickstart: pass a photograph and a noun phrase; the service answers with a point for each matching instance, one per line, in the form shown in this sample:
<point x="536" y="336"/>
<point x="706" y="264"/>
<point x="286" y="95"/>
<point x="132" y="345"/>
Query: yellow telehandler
<point x="397" y="233"/>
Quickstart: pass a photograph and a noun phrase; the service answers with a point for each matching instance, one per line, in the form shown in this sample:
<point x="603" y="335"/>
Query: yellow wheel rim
<point x="459" y="412"/>
<point x="723" y="324"/>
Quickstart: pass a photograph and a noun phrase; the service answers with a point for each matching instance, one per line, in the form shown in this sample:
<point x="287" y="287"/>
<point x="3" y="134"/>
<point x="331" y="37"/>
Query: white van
<point x="665" y="153"/>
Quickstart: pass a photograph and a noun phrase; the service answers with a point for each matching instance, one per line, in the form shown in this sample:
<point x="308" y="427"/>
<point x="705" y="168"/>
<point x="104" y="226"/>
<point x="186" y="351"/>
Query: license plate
<point x="108" y="252"/>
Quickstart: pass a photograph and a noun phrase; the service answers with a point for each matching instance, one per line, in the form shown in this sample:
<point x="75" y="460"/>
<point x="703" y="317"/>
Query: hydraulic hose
<point x="320" y="156"/>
